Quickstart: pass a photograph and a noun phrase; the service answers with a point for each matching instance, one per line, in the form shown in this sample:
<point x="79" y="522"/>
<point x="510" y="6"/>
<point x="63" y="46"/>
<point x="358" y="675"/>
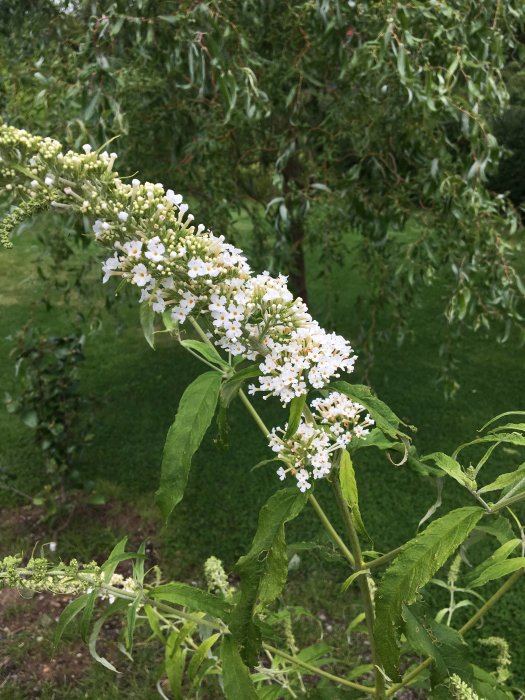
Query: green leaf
<point x="486" y="685"/>
<point x="497" y="570"/>
<point x="383" y="416"/>
<point x="117" y="555"/>
<point x="87" y="614"/>
<point x="30" y="419"/>
<point x="507" y="480"/>
<point x="175" y="661"/>
<point x="236" y="676"/>
<point x="192" y="598"/>
<point x="264" y="569"/>
<point x="348" y="582"/>
<point x="68" y="614"/>
<point x="499" y="527"/>
<point x="450" y="466"/>
<point x="296" y="412"/>
<point x="231" y="387"/>
<point x="444" y="645"/>
<point x="196" y="410"/>
<point x="147" y="320"/>
<point x="115" y="607"/>
<point x="200" y="654"/>
<point x="413" y="567"/>
<point x="206" y="351"/>
<point x="349" y="489"/>
<point x="154" y="623"/>
<point x="501" y="554"/>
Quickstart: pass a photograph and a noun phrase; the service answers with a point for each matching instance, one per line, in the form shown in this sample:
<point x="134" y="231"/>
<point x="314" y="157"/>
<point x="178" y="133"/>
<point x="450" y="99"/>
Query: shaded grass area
<point x="137" y="392"/>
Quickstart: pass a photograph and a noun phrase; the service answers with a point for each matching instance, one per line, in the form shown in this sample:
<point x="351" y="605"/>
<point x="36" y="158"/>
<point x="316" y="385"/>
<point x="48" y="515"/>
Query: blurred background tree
<point x="313" y="125"/>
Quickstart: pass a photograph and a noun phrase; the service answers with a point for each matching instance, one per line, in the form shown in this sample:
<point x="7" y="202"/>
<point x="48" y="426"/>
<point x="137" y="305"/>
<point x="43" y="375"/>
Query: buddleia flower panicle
<point x="186" y="270"/>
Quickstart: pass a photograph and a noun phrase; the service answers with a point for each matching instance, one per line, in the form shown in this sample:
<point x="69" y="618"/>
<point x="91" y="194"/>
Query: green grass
<point x="137" y="391"/>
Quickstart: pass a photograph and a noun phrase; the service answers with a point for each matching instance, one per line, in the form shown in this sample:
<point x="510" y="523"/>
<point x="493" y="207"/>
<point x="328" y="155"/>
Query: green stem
<point x="466" y="627"/>
<point x="507" y="502"/>
<point x="256" y="417"/>
<point x="331" y="530"/>
<point x="202" y="335"/>
<point x="319" y="671"/>
<point x="363" y="582"/>
<point x="492" y="601"/>
<point x="383" y="559"/>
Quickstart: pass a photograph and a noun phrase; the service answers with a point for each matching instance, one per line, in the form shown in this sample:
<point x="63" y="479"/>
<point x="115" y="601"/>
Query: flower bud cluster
<point x="336" y="421"/>
<point x="216" y="578"/>
<point x="41" y="575"/>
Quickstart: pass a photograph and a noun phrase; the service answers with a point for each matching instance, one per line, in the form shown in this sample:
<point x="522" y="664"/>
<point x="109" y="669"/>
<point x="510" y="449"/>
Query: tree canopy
<point x="315" y="118"/>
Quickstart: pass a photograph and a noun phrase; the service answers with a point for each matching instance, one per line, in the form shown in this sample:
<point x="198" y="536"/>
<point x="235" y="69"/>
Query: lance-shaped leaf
<point x="236" y="676"/>
<point x="147" y="321"/>
<point x="383" y="416"/>
<point x="231" y="387"/>
<point x="296" y="411"/>
<point x="349" y="490"/>
<point x="449" y="466"/>
<point x="411" y="570"/>
<point x="192" y="598"/>
<point x="196" y="411"/>
<point x="264" y="569"/>
<point x="509" y="480"/>
<point x="206" y="351"/>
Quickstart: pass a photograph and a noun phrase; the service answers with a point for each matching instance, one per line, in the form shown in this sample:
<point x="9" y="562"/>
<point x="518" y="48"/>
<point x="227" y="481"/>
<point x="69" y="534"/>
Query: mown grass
<point x="137" y="391"/>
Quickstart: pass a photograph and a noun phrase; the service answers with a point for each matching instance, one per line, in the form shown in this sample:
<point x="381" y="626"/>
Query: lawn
<point x="136" y="391"/>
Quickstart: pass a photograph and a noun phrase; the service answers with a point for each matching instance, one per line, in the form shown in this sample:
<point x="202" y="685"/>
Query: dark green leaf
<point x="231" y="387"/>
<point x="264" y="569"/>
<point x="236" y="676"/>
<point x="384" y="417"/>
<point x="196" y="410"/>
<point x="413" y="567"/>
<point x="68" y="614"/>
<point x="441" y="643"/>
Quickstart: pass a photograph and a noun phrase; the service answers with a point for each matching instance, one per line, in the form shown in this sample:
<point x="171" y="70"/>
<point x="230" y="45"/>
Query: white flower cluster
<point x="184" y="270"/>
<point x="306" y="455"/>
<point x="309" y="356"/>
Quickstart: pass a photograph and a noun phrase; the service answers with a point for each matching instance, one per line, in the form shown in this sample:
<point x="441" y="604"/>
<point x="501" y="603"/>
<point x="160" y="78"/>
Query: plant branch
<point x="331" y="530"/>
<point x="318" y="671"/>
<point x="383" y="559"/>
<point x="363" y="583"/>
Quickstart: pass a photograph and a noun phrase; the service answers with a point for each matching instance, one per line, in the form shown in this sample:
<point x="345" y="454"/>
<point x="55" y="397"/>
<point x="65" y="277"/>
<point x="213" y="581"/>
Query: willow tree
<point x="315" y="118"/>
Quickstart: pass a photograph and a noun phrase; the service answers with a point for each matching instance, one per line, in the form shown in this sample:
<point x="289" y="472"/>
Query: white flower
<point x="123" y="216"/>
<point x="141" y="276"/>
<point x="109" y="266"/>
<point x="173" y="198"/>
<point x="133" y="249"/>
<point x="156" y="250"/>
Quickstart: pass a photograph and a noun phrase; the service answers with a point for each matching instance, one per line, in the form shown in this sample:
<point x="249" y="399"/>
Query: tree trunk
<point x="298" y="267"/>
